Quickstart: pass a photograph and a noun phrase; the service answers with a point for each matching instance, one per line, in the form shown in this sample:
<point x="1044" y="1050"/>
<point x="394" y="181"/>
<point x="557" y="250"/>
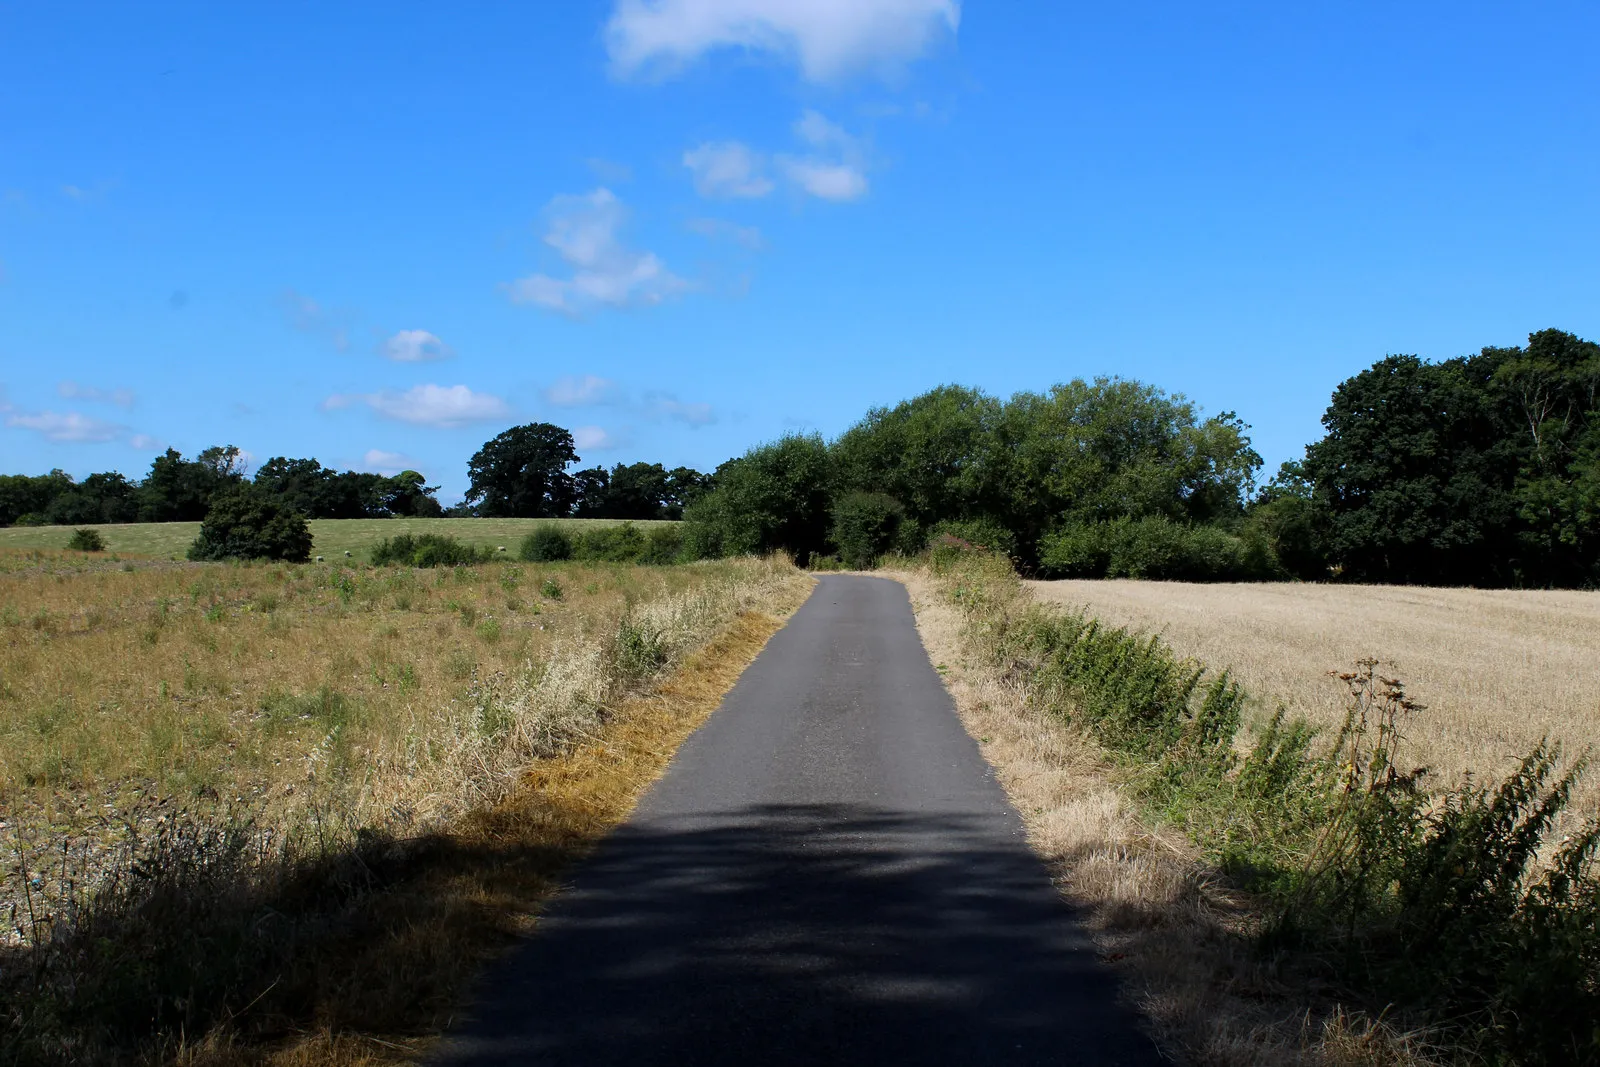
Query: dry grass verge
<point x="1179" y="937"/>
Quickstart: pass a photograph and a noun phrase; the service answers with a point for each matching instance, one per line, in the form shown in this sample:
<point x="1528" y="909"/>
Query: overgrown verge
<point x="345" y="929"/>
<point x="1449" y="911"/>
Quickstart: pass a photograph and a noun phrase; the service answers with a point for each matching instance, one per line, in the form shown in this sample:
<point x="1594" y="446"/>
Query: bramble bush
<point x="427" y="550"/>
<point x="244" y="523"/>
<point x="86" y="541"/>
<point x="548" y="543"/>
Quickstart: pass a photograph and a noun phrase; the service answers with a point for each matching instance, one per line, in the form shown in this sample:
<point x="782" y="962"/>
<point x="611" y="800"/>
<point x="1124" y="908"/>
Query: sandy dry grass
<point x="1178" y="938"/>
<point x="1497" y="669"/>
<point x="331" y="538"/>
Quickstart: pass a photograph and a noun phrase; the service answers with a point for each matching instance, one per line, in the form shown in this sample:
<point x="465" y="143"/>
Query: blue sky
<point x="380" y="234"/>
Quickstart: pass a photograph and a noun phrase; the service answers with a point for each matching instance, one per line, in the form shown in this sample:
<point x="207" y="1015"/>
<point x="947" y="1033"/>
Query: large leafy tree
<point x="523" y="473"/>
<point x="773" y="497"/>
<point x="180" y="490"/>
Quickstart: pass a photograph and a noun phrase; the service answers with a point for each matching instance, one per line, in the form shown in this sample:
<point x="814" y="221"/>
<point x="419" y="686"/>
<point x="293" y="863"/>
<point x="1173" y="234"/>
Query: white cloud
<point x="586" y="391"/>
<point x="145" y="443"/>
<point x="443" y="406"/>
<point x="722" y="230"/>
<point x="584" y="231"/>
<point x="667" y="406"/>
<point x="829" y="39"/>
<point x="835" y="168"/>
<point x="69" y="426"/>
<point x="727" y="169"/>
<point x="388" y="463"/>
<point x="414" y="346"/>
<point x="609" y="171"/>
<point x="122" y="398"/>
<point x="594" y="439"/>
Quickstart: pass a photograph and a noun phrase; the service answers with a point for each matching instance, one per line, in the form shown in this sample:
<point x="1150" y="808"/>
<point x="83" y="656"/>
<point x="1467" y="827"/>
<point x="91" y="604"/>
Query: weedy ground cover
<point x="331" y="538"/>
<point x="247" y="807"/>
<point x="1328" y="870"/>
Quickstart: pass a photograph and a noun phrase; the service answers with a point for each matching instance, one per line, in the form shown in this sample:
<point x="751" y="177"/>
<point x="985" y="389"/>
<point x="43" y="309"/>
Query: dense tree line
<point x="183" y="490"/>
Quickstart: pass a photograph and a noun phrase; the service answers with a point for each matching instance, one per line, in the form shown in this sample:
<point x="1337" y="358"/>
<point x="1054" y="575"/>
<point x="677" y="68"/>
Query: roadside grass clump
<point x="1456" y="908"/>
<point x="427" y="550"/>
<point x="86" y="540"/>
<point x="271" y="831"/>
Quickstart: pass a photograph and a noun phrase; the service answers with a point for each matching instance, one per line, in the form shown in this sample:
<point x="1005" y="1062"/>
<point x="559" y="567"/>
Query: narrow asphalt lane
<point x="828" y="873"/>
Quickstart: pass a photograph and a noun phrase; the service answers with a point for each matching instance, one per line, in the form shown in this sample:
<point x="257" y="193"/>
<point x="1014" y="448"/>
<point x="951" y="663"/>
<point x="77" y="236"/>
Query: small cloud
<point x="146" y="443"/>
<point x="439" y="406"/>
<point x="585" y="391"/>
<point x="827" y="39"/>
<point x="584" y="231"/>
<point x="122" y="398"/>
<point x="727" y="169"/>
<point x="609" y="172"/>
<point x="722" y="230"/>
<point x="594" y="439"/>
<point x="387" y="463"/>
<point x="835" y="168"/>
<point x="667" y="406"/>
<point x="414" y="346"/>
<point x="68" y="426"/>
<point x="306" y="315"/>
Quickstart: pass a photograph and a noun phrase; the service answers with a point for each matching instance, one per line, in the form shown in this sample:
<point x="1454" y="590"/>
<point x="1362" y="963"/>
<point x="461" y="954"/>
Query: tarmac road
<point x="827" y="874"/>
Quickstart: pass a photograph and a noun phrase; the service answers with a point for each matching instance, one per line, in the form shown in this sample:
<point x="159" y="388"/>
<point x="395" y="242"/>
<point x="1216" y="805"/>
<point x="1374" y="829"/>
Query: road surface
<point x="827" y="874"/>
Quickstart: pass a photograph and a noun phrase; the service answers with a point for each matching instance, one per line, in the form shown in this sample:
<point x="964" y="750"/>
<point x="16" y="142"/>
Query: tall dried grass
<point x="1497" y="669"/>
<point x="267" y="742"/>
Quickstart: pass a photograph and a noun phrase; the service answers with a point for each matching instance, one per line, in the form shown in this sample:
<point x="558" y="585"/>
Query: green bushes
<point x="86" y="541"/>
<point x="1434" y="903"/>
<point x="1153" y="547"/>
<point x="245" y="524"/>
<point x="548" y="543"/>
<point x="866" y="525"/>
<point x="427" y="550"/>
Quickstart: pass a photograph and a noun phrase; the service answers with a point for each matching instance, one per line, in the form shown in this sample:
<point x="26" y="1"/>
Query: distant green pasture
<point x="332" y="537"/>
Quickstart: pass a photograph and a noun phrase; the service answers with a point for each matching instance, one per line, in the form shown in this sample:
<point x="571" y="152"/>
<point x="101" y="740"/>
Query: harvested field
<point x="1497" y="669"/>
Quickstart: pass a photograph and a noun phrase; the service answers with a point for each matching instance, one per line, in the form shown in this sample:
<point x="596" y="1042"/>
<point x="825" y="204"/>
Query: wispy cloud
<point x="608" y="171"/>
<point x="827" y="39"/>
<point x="580" y="391"/>
<point x="595" y="439"/>
<point x="308" y="316"/>
<point x="74" y="427"/>
<point x="667" y="406"/>
<point x="122" y="398"/>
<point x="722" y="230"/>
<point x="440" y="406"/>
<point x="585" y="232"/>
<point x="414" y="346"/>
<point x="834" y="168"/>
<point x="727" y="169"/>
<point x="388" y="463"/>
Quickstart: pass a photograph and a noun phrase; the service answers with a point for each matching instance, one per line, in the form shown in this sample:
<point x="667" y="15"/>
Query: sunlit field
<point x="1497" y="669"/>
<point x="332" y="538"/>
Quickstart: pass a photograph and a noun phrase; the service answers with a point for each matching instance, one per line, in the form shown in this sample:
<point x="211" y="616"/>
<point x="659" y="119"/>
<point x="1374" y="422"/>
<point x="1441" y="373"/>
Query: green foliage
<point x="865" y="526"/>
<point x="548" y="543"/>
<point x="180" y="490"/>
<point x="245" y="524"/>
<point x="637" y="491"/>
<point x="523" y="473"/>
<point x="623" y="543"/>
<point x="1152" y="547"/>
<point x="427" y="550"/>
<point x="322" y="493"/>
<point x="774" y="497"/>
<point x="86" y="541"/>
<point x="663" y="545"/>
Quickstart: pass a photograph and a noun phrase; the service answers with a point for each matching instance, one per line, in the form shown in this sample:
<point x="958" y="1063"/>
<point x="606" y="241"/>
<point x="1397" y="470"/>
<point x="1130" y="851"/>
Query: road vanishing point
<point x="828" y="873"/>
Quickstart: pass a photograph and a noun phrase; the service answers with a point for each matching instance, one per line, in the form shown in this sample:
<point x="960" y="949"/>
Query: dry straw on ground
<point x="1497" y="669"/>
<point x="1177" y="937"/>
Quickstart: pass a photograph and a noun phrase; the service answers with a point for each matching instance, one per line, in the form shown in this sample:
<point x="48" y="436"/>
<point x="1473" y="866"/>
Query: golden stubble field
<point x="1497" y="669"/>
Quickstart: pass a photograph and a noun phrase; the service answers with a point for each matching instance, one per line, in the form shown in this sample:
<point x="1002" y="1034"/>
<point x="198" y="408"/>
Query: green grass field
<point x="333" y="537"/>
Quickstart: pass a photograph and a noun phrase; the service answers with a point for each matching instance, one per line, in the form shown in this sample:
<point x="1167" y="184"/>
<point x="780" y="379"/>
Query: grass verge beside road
<point x="331" y="538"/>
<point x="280" y="814"/>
